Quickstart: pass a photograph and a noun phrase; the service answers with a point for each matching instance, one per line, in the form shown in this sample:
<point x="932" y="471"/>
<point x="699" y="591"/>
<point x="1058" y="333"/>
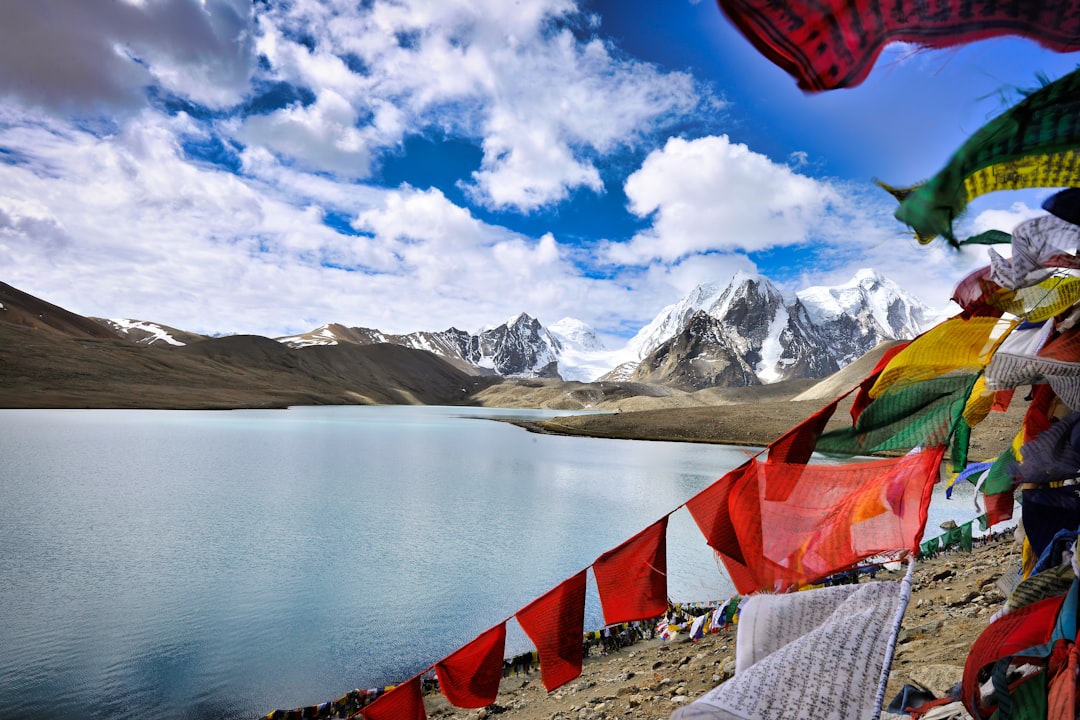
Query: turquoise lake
<point x="191" y="564"/>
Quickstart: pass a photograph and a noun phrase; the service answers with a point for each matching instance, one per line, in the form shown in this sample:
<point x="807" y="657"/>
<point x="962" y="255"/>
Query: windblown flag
<point x="632" y="578"/>
<point x="797" y="444"/>
<point x="1000" y="480"/>
<point x="1033" y="144"/>
<point x="815" y="654"/>
<point x="834" y="43"/>
<point x="1054" y="455"/>
<point x="779" y="526"/>
<point x="469" y="678"/>
<point x="404" y="702"/>
<point x="555" y="622"/>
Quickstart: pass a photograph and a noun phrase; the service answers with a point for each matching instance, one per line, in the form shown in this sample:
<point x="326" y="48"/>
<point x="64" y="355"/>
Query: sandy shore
<point x="952" y="600"/>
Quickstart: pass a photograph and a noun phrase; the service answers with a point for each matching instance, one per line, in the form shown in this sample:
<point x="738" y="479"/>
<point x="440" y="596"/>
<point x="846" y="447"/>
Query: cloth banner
<point x="815" y="654"/>
<point x="959" y="536"/>
<point x="1038" y="245"/>
<point x="632" y="578"/>
<point x="404" y="702"/>
<point x="780" y="526"/>
<point x="469" y="677"/>
<point x="1054" y="455"/>
<point x="797" y="445"/>
<point x="834" y="43"/>
<point x="1030" y="145"/>
<point x="555" y="622"/>
<point x="922" y="414"/>
<point x="1048" y="510"/>
<point x="957" y="345"/>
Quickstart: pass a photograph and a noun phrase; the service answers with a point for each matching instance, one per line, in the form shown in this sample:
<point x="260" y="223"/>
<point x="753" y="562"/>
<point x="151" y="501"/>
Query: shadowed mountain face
<point x="50" y="357"/>
<point x="24" y="310"/>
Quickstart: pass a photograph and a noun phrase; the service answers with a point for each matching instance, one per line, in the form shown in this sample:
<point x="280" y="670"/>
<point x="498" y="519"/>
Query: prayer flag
<point x="834" y="43"/>
<point x="709" y="508"/>
<point x="815" y="654"/>
<point x="403" y="702"/>
<point x="555" y="622"/>
<point x="1054" y="455"/>
<point x="697" y="628"/>
<point x="632" y="578"/>
<point x="1030" y="145"/>
<point x="863" y="399"/>
<point x="792" y="524"/>
<point x="922" y="414"/>
<point x="797" y="445"/>
<point x="469" y="677"/>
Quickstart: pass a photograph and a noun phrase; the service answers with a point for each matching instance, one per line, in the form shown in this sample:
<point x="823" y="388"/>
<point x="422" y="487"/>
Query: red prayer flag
<point x="404" y="702"/>
<point x="709" y="508"/>
<point x="555" y="622"/>
<point x="632" y="578"/>
<point x="469" y="677"/>
<point x="834" y="43"/>
<point x="796" y="524"/>
<point x="797" y="444"/>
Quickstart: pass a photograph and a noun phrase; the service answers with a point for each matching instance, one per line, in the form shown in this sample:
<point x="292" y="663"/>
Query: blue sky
<point x="227" y="166"/>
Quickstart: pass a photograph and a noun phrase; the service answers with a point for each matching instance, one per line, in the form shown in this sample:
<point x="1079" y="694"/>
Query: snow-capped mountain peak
<point x="573" y="333"/>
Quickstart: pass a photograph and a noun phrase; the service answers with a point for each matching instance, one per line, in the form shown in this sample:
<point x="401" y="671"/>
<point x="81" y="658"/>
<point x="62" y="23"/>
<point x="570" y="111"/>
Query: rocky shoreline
<point x="953" y="597"/>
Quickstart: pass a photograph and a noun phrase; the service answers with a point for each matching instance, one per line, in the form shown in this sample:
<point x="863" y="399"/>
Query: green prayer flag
<point x="1033" y="144"/>
<point x="990" y="237"/>
<point x="923" y="413"/>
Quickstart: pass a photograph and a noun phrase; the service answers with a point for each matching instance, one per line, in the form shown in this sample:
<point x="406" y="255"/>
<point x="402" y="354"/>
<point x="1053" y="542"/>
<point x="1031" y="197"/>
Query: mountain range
<point x="742" y="333"/>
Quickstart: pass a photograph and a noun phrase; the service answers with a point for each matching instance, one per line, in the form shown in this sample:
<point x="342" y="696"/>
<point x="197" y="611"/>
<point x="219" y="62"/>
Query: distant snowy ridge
<point x="742" y="331"/>
<point x="748" y="334"/>
<point x="148" y="333"/>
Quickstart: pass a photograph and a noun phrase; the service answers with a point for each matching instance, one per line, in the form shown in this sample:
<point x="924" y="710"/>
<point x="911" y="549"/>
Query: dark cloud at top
<point x="93" y="55"/>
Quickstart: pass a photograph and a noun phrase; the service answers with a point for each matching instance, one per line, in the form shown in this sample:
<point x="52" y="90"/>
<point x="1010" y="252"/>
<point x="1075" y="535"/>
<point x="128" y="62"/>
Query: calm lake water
<point x="174" y="564"/>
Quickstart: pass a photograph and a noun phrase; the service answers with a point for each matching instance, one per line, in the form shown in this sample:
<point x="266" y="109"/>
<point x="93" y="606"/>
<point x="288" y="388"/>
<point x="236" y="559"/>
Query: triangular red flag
<point x="632" y="578"/>
<point x="404" y="702"/>
<point x="797" y="444"/>
<point x="709" y="508"/>
<point x="555" y="622"/>
<point x="469" y="677"/>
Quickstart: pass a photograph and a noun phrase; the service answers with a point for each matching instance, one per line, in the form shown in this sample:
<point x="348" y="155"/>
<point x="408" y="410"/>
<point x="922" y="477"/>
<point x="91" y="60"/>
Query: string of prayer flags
<point x="404" y="702"/>
<point x="555" y="622"/>
<point x="469" y="677"/>
<point x="1030" y="145"/>
<point x="632" y="578"/>
<point x="834" y="43"/>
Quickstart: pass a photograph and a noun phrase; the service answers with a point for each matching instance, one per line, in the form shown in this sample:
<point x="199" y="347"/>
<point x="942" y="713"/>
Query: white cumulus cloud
<point x="711" y="194"/>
